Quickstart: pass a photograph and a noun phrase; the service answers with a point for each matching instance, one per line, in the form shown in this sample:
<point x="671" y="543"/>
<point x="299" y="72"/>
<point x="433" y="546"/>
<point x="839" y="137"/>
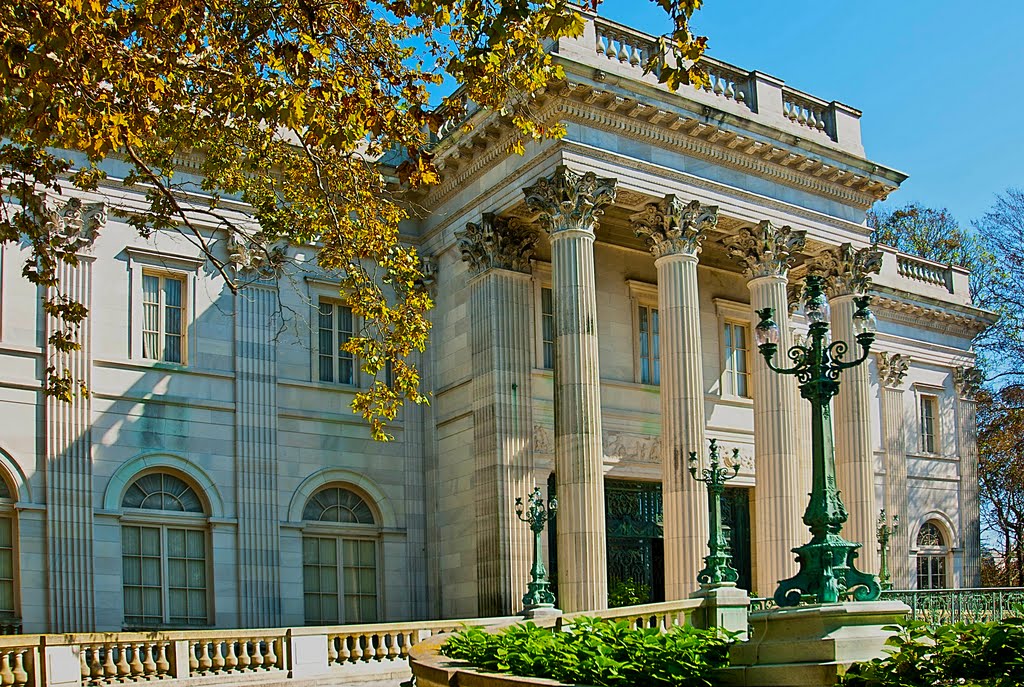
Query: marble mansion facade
<point x="592" y="327"/>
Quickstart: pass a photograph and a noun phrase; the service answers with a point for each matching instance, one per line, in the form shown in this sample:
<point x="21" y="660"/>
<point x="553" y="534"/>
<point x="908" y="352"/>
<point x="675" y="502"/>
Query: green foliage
<point x="628" y="593"/>
<point x="969" y="654"/>
<point x="597" y="652"/>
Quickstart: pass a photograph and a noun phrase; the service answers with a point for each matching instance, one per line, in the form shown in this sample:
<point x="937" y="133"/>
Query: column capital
<point x="672" y="226"/>
<point x="497" y="243"/>
<point x="570" y="201"/>
<point x="765" y="250"/>
<point x="967" y="382"/>
<point x="76" y="224"/>
<point x="847" y="270"/>
<point x="892" y="368"/>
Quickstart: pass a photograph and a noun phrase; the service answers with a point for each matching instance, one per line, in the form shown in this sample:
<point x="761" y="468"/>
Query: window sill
<point x="726" y="400"/>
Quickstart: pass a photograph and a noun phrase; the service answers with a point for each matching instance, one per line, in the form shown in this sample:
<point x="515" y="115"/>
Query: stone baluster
<point x="892" y="368"/>
<point x="570" y="205"/>
<point x="109" y="667"/>
<point x="244" y="660"/>
<point x="124" y="669"/>
<point x="764" y="253"/>
<point x="847" y="272"/>
<point x="20" y="670"/>
<point x="163" y="666"/>
<point x="675" y="231"/>
<point x="136" y="662"/>
<point x="967" y="381"/>
<point x="272" y="656"/>
<point x="498" y="253"/>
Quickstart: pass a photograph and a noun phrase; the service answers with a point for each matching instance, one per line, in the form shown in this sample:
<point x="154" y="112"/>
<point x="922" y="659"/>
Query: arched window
<point x="8" y="581"/>
<point x="164" y="553"/>
<point x="932" y="554"/>
<point x="339" y="558"/>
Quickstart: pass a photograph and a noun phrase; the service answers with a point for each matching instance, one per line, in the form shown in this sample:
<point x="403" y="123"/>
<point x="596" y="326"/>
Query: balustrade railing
<point x="944" y="606"/>
<point x="627" y="47"/>
<point x="922" y="270"/>
<point x="19" y="659"/>
<point x="726" y="81"/>
<point x="660" y="615"/>
<point x="805" y="111"/>
<point x="350" y="644"/>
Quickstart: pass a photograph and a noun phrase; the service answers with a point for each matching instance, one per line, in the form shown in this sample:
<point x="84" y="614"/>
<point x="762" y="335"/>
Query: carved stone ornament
<point x="765" y="250"/>
<point x="847" y="270"/>
<point x="497" y="243"/>
<point x="428" y="268"/>
<point x="672" y="226"/>
<point x="77" y="224"/>
<point x="568" y="201"/>
<point x="795" y="293"/>
<point x="967" y="382"/>
<point x="252" y="255"/>
<point x="892" y="369"/>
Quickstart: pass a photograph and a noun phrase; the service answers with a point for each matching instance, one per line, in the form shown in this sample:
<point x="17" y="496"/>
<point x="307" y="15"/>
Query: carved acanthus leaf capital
<point x="73" y="224"/>
<point x="847" y="270"/>
<point x="892" y="369"/>
<point x="570" y="201"/>
<point x="497" y="243"/>
<point x="765" y="250"/>
<point x="255" y="255"/>
<point x="672" y="226"/>
<point x="967" y="382"/>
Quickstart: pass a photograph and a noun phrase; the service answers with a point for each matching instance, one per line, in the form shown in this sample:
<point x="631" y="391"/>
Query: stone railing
<point x="660" y="615"/>
<point x="926" y="271"/>
<point x="726" y="81"/>
<point x="806" y="111"/>
<point x="942" y="606"/>
<point x="623" y="45"/>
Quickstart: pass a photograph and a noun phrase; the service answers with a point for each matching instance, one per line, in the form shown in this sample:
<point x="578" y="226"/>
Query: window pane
<point x="172" y="292"/>
<point x="150" y="288"/>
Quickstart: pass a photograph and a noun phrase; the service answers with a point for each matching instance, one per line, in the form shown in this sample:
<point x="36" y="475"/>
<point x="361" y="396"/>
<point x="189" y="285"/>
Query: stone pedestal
<point x="811" y="646"/>
<point x="726" y="607"/>
<point x="569" y="206"/>
<point x="674" y="231"/>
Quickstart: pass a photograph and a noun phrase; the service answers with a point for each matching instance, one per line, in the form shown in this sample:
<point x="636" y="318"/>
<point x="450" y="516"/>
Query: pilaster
<point x="764" y="253"/>
<point x="256" y="461"/>
<point x="892" y="368"/>
<point x="498" y="253"/>
<point x="847" y="271"/>
<point x="69" y="497"/>
<point x="570" y="205"/>
<point x="967" y="381"/>
<point x="675" y="231"/>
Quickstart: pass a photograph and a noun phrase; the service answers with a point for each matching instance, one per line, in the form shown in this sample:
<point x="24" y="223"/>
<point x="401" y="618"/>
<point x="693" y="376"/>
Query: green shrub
<point x="961" y="655"/>
<point x="597" y="652"/>
<point x="628" y="593"/>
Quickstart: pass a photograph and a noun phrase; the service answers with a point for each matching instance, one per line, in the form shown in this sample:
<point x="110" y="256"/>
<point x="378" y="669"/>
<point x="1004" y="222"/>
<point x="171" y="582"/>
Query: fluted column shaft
<point x="500" y="306"/>
<point x="855" y="461"/>
<point x="894" y="441"/>
<point x="256" y="460"/>
<point x="582" y="557"/>
<point x="682" y="422"/>
<point x="970" y="513"/>
<point x="778" y="501"/>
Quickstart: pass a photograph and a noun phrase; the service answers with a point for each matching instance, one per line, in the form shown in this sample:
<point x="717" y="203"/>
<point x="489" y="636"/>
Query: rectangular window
<point x="547" y="327"/>
<point x="6" y="566"/>
<point x="163" y="318"/>
<point x="650" y="345"/>
<point x="929" y="423"/>
<point x="339" y="590"/>
<point x="931" y="572"/>
<point x="335" y="330"/>
<point x="164" y="579"/>
<point x="736" y="337"/>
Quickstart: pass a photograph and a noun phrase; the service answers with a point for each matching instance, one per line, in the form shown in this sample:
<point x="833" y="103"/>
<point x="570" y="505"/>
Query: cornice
<point x="966" y="322"/>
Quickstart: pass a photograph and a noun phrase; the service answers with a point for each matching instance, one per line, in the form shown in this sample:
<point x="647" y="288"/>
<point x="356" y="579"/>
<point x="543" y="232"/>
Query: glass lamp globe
<point x="817" y="310"/>
<point x="766" y="332"/>
<point x="864" y="322"/>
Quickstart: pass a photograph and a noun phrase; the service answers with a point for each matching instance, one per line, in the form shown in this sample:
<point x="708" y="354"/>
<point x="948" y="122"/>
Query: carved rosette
<point x="765" y="250"/>
<point x="892" y="369"/>
<point x="75" y="225"/>
<point x="967" y="382"/>
<point x="672" y="226"/>
<point x="568" y="201"/>
<point x="497" y="243"/>
<point x="847" y="270"/>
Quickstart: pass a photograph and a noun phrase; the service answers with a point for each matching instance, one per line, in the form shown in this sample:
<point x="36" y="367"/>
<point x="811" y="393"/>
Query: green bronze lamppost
<point x="827" y="572"/>
<point x="885" y="532"/>
<point x="538" y="593"/>
<point x="718" y="571"/>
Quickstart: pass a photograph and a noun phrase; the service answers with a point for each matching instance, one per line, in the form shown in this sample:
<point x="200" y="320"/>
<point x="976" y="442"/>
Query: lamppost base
<point x="540" y="611"/>
<point x="827" y="574"/>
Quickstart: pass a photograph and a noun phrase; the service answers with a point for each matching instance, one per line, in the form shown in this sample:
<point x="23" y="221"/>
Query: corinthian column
<point x="570" y="205"/>
<point x="764" y="254"/>
<point x="674" y="231"/>
<point x="498" y="254"/>
<point x="846" y="270"/>
<point x="892" y="368"/>
<point x="967" y="381"/>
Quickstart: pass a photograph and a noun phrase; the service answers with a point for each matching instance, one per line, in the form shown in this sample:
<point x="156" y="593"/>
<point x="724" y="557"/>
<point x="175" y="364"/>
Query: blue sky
<point x="940" y="82"/>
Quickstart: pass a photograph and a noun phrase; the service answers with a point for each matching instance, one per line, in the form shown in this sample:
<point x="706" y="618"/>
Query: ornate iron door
<point x="636" y="562"/>
<point x="736" y="516"/>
